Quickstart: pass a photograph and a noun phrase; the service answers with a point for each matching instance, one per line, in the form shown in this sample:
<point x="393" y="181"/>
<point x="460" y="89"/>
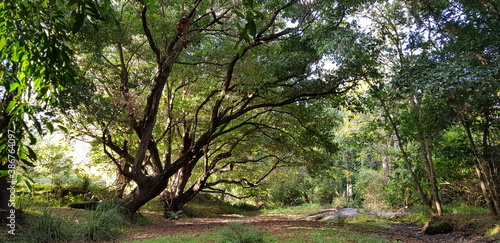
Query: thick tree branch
<point x="148" y="34"/>
<point x="273" y="18"/>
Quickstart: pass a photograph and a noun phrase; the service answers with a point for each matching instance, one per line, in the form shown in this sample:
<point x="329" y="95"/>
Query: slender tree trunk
<point x="174" y="197"/>
<point x="483" y="183"/>
<point x="122" y="183"/>
<point x="432" y="178"/>
<point x="491" y="176"/>
<point x="426" y="156"/>
<point x="425" y="200"/>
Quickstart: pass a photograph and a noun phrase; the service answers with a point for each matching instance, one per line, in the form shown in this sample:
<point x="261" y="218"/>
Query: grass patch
<point x="246" y="233"/>
<point x="331" y="235"/>
<point x="178" y="239"/>
<point x="72" y="225"/>
<point x="417" y="215"/>
<point x="494" y="231"/>
<point x="104" y="223"/>
<point x="296" y="236"/>
<point x="465" y="210"/>
<point x="204" y="205"/>
<point x="300" y="209"/>
<point x="241" y="233"/>
<point x="369" y="222"/>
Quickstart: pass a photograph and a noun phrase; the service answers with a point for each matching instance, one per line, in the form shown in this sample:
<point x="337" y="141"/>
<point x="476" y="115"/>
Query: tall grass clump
<point x="104" y="223"/>
<point x="240" y="233"/>
<point x="49" y="228"/>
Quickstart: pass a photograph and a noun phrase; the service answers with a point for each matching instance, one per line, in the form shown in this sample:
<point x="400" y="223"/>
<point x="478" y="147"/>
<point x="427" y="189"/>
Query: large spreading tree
<point x="180" y="93"/>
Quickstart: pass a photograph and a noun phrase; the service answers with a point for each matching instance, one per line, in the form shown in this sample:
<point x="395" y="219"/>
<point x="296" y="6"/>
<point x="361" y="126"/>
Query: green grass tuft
<point x="240" y="233"/>
<point x="104" y="223"/>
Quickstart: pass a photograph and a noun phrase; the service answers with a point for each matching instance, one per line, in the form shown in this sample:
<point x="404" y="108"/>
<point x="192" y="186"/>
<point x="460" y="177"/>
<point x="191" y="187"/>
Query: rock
<point x="346" y="213"/>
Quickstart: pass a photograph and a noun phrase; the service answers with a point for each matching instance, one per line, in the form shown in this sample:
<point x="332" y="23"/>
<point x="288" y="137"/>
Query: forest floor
<point x="280" y="224"/>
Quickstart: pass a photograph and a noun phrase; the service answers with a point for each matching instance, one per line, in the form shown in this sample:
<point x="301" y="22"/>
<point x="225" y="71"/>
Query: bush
<point x="105" y="222"/>
<point x="240" y="233"/>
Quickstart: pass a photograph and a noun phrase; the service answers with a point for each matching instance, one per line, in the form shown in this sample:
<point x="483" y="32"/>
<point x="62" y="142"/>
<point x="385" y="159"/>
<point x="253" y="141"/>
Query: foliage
<point x="35" y="65"/>
<point x="290" y="190"/>
<point x="154" y="95"/>
<point x="369" y="187"/>
<point x="299" y="209"/>
<point x="54" y="162"/>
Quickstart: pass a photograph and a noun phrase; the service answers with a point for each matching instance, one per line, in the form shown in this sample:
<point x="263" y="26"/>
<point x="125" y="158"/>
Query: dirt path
<point x="281" y="223"/>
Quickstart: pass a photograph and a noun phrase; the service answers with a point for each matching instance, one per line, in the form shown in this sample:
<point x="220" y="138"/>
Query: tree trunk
<point x="483" y="183"/>
<point x="174" y="203"/>
<point x="489" y="167"/>
<point x="432" y="178"/>
<point x="426" y="154"/>
<point x="174" y="197"/>
<point x="144" y="192"/>
<point x="425" y="200"/>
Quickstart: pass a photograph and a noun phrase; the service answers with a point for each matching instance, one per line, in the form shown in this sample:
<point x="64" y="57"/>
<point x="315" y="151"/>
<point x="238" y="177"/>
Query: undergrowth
<point x="103" y="224"/>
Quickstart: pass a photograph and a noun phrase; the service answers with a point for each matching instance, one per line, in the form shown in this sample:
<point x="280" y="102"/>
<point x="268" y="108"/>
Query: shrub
<point x="240" y="233"/>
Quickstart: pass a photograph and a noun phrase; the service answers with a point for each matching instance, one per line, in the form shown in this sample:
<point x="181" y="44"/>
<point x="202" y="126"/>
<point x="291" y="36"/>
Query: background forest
<point x="153" y="104"/>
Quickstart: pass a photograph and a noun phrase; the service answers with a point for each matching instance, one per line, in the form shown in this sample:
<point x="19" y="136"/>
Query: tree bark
<point x="426" y="156"/>
<point x="480" y="173"/>
<point x="425" y="200"/>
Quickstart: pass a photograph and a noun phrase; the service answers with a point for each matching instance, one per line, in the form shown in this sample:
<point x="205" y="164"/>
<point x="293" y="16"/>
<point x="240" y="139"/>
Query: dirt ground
<point x="281" y="223"/>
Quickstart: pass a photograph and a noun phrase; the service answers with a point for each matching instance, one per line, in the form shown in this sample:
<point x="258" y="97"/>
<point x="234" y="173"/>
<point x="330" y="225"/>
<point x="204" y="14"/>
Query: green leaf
<point x="4" y="173"/>
<point x="239" y="14"/>
<point x="28" y="163"/>
<point x="31" y="154"/>
<point x="29" y="186"/>
<point x="80" y="17"/>
<point x="64" y="129"/>
<point x="32" y="139"/>
<point x="22" y="153"/>
<point x="252" y="27"/>
<point x="49" y="126"/>
<point x="72" y="3"/>
<point x="249" y="3"/>
<point x="258" y="14"/>
<point x="14" y="86"/>
<point x="244" y="34"/>
<point x="3" y="40"/>
<point x="11" y="106"/>
<point x="151" y="4"/>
